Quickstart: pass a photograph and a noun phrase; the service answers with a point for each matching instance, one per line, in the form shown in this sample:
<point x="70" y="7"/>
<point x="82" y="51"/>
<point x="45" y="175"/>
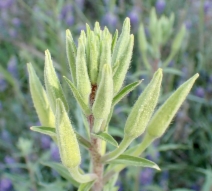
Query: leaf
<point x="86" y="186"/>
<point x="172" y="147"/>
<point x="53" y="87"/>
<point x="44" y="130"/>
<point x="172" y="71"/>
<point x="62" y="171"/>
<point x="127" y="89"/>
<point x="78" y="97"/>
<point x="83" y="141"/>
<point x="134" y="161"/>
<point x="51" y="132"/>
<point x="106" y="137"/>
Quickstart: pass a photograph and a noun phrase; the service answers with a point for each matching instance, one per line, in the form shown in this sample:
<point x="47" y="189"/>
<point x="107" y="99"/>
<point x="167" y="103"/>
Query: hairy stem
<point x="95" y="149"/>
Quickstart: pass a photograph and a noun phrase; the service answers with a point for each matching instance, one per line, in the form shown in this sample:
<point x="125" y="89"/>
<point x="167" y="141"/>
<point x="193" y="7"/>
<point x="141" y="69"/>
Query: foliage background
<point x="29" y="27"/>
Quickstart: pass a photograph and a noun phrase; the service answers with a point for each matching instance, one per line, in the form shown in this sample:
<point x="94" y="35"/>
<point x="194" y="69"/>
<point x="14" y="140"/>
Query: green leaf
<point x="134" y="161"/>
<point x="44" y="130"/>
<point x="106" y="137"/>
<point x="51" y="132"/>
<point x="78" y="97"/>
<point x="86" y="186"/>
<point x="168" y="147"/>
<point x="172" y="71"/>
<point x="53" y="87"/>
<point x="40" y="99"/>
<point x="62" y="171"/>
<point x="71" y="54"/>
<point x="83" y="141"/>
<point x="115" y="37"/>
<point x="127" y="89"/>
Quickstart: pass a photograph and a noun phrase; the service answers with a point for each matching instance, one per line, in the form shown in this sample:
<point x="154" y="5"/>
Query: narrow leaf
<point x="52" y="132"/>
<point x="83" y="81"/>
<point x="86" y="186"/>
<point x="40" y="100"/>
<point x="127" y="89"/>
<point x="62" y="171"/>
<point x="71" y="54"/>
<point x="44" y="130"/>
<point x="83" y="141"/>
<point x="115" y="37"/>
<point x="78" y="97"/>
<point x="134" y="161"/>
<point x="53" y="87"/>
<point x="106" y="137"/>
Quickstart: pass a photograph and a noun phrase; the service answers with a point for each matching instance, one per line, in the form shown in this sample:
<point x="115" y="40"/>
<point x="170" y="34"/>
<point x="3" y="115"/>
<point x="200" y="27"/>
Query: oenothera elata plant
<point x="98" y="66"/>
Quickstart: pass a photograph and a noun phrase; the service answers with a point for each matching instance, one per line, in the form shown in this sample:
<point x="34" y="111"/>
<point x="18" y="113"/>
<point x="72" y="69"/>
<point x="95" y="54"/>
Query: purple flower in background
<point x="110" y="20"/>
<point x="6" y="184"/>
<point x="5" y="136"/>
<point x="5" y="4"/>
<point x="134" y="16"/>
<point x="188" y="24"/>
<point x="9" y="160"/>
<point x="16" y="22"/>
<point x="160" y="6"/>
<point x="164" y="179"/>
<point x="55" y="155"/>
<point x="67" y="14"/>
<point x="200" y="92"/>
<point x="12" y="67"/>
<point x="146" y="176"/>
<point x="45" y="141"/>
<point x="3" y="83"/>
<point x="207" y="6"/>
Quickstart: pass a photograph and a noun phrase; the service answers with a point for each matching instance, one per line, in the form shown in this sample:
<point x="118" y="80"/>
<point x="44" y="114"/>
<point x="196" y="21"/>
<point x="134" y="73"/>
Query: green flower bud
<point x="115" y="37"/>
<point x="143" y="108"/>
<point x="142" y="39"/>
<point x="178" y="40"/>
<point x="105" y="57"/>
<point x="94" y="58"/>
<point x="40" y="99"/>
<point x="71" y="52"/>
<point x="121" y="69"/>
<point x="53" y="87"/>
<point x="67" y="141"/>
<point x="167" y="111"/>
<point x="122" y="43"/>
<point x="83" y="82"/>
<point x="104" y="96"/>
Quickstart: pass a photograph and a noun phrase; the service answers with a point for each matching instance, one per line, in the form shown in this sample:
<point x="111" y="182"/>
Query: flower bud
<point x="104" y="96"/>
<point x="83" y="82"/>
<point x="121" y="69"/>
<point x="122" y="43"/>
<point x="166" y="112"/>
<point x="53" y="87"/>
<point x="143" y="108"/>
<point x="178" y="40"/>
<point x="71" y="52"/>
<point x="40" y="99"/>
<point x="67" y="141"/>
<point x="142" y="39"/>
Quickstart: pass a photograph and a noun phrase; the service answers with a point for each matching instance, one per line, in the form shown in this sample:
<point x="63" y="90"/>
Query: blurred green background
<point x="29" y="27"/>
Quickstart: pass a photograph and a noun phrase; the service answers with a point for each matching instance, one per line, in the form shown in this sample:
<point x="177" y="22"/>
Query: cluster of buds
<point x="98" y="66"/>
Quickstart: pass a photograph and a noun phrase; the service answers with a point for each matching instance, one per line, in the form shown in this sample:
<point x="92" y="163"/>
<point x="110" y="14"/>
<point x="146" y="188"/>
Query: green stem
<point x="146" y="63"/>
<point x="114" y="154"/>
<point x="81" y="178"/>
<point x="168" y="60"/>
